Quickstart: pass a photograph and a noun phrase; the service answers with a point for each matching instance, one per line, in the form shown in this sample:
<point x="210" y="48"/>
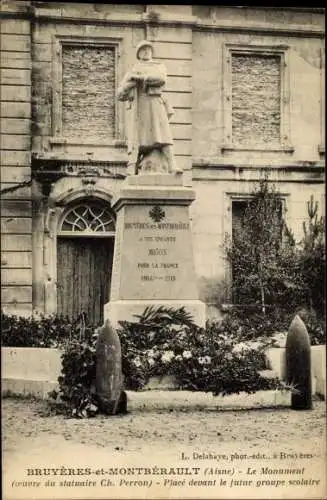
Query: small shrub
<point x="217" y="362"/>
<point x="224" y="358"/>
<point x="262" y="252"/>
<point x="218" y="359"/>
<point x="144" y="341"/>
<point x="253" y="324"/>
<point x="76" y="396"/>
<point x="42" y="331"/>
<point x="269" y="267"/>
<point x="315" y="326"/>
<point x="312" y="258"/>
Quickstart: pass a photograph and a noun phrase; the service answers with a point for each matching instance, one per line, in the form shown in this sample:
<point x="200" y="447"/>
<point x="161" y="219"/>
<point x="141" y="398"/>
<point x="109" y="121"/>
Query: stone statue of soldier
<point x="150" y="143"/>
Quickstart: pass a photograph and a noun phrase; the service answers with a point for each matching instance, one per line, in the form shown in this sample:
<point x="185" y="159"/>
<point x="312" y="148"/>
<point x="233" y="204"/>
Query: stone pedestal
<point x="153" y="258"/>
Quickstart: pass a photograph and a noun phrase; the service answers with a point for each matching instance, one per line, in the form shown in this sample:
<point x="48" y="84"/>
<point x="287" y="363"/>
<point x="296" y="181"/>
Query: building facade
<point x="247" y="86"/>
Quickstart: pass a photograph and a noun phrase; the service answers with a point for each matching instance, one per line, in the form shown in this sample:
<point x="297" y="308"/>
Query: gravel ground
<point x="160" y="426"/>
<point x="167" y="418"/>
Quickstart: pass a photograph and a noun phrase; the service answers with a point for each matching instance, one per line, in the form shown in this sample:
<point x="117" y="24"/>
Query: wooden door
<point x="84" y="268"/>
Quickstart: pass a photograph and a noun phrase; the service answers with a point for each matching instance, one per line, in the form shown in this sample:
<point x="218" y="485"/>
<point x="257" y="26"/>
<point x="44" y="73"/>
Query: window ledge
<point x="287" y="148"/>
<point x="59" y="140"/>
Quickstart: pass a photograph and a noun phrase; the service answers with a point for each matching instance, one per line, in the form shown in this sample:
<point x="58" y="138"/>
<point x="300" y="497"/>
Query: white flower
<point x="268" y="374"/>
<point x="167" y="356"/>
<point x="151" y="361"/>
<point x="279" y="339"/>
<point x="226" y="340"/>
<point x="238" y="348"/>
<point x="151" y="356"/>
<point x="255" y="344"/>
<point x="205" y="360"/>
<point x="151" y="335"/>
<point x="187" y="354"/>
<point x="174" y="328"/>
<point x="137" y="362"/>
<point x="182" y="335"/>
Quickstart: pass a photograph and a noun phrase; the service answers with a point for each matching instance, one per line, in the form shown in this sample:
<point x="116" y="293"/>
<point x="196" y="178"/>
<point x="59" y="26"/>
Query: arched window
<point x="89" y="218"/>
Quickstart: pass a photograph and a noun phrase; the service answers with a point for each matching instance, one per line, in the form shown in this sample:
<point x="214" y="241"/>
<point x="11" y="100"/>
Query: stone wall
<point x="212" y="100"/>
<point x="197" y="44"/>
<point x="54" y="93"/>
<point x="35" y="371"/>
<point x="231" y="152"/>
<point x="16" y="211"/>
<point x="52" y="74"/>
<point x="212" y="219"/>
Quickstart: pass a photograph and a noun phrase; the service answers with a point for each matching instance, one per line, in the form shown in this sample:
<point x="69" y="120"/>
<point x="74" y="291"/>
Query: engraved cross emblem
<point x="157" y="213"/>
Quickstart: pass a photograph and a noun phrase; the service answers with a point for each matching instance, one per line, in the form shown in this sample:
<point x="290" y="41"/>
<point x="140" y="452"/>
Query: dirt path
<point x="159" y="429"/>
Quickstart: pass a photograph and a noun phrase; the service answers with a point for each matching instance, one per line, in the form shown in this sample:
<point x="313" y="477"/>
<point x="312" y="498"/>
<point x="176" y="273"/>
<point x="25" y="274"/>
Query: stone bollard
<point x="109" y="376"/>
<point x="298" y="364"/>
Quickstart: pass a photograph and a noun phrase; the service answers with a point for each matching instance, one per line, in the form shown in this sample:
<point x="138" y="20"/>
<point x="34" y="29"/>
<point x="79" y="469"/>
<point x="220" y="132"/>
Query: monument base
<point x="153" y="258"/>
<point x="126" y="309"/>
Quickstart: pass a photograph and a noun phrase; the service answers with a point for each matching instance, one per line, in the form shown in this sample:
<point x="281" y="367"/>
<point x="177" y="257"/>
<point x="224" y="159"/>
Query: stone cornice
<point x="313" y="10"/>
<point x="48" y="170"/>
<point x="266" y="28"/>
<point x="307" y="172"/>
<point x="299" y="166"/>
<point x="56" y="14"/>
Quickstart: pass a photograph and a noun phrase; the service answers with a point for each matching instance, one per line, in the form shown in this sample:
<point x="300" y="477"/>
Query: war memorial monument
<point x="153" y="256"/>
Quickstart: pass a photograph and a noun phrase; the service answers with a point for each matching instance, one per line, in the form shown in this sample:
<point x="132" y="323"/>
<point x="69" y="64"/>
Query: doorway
<point x="83" y="276"/>
<point x="85" y="248"/>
